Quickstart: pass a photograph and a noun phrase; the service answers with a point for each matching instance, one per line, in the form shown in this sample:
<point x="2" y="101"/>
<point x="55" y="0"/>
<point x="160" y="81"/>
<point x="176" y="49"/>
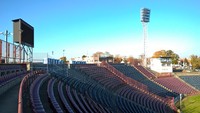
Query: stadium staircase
<point x="149" y="75"/>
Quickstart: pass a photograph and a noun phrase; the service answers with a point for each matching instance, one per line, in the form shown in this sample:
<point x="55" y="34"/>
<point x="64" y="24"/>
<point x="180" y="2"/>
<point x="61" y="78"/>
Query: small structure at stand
<point x="162" y="65"/>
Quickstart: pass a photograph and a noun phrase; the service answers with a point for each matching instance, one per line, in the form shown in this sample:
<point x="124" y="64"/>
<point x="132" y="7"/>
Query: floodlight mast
<point x="145" y="16"/>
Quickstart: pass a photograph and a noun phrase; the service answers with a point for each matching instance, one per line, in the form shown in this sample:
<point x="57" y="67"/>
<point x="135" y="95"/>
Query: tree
<point x="175" y="58"/>
<point x="130" y="60"/>
<point x="97" y="55"/>
<point x="181" y="62"/>
<point x="195" y="61"/>
<point x="64" y="59"/>
<point x="168" y="53"/>
<point x="83" y="57"/>
<point x="158" y="54"/>
<point x="117" y="59"/>
<point x="107" y="54"/>
<point x="186" y="62"/>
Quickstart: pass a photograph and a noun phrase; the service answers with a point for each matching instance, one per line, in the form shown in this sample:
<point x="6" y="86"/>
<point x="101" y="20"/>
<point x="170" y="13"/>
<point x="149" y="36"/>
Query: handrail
<point x="151" y="79"/>
<point x="136" y="67"/>
<point x="20" y="94"/>
<point x="20" y="105"/>
<point x="127" y="80"/>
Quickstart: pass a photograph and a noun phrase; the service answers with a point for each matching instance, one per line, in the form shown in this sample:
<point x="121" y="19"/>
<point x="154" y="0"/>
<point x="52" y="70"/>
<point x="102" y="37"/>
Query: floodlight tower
<point x="145" y="16"/>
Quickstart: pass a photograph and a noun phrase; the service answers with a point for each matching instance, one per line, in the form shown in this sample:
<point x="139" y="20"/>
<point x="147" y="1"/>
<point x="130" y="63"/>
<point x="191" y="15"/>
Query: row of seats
<point x="87" y="90"/>
<point x="193" y="80"/>
<point x="64" y="100"/>
<point x="103" y="76"/>
<point x="8" y="69"/>
<point x="51" y="96"/>
<point x="75" y="102"/>
<point x="10" y="80"/>
<point x="75" y="87"/>
<point x="176" y="85"/>
<point x="34" y="94"/>
<point x="92" y="89"/>
<point x="146" y="72"/>
<point x="167" y="98"/>
<point x="145" y="100"/>
<point x="36" y="81"/>
<point x="24" y="89"/>
<point x="6" y="78"/>
<point x="82" y="65"/>
<point x="124" y="78"/>
<point x="100" y="93"/>
<point x="152" y="86"/>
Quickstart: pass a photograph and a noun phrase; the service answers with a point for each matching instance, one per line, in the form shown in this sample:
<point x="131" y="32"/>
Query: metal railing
<point x="14" y="53"/>
<point x="26" y="81"/>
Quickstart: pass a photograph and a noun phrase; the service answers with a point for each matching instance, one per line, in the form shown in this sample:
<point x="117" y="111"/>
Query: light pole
<point x="63" y="61"/>
<point x="52" y="53"/>
<point x="63" y="53"/>
<point x="145" y="16"/>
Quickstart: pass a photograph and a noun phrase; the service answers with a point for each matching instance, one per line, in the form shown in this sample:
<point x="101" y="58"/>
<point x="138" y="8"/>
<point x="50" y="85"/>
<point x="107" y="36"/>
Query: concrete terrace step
<point x="9" y="100"/>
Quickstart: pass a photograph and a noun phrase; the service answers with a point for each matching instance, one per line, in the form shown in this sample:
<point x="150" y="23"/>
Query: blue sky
<point x="86" y="26"/>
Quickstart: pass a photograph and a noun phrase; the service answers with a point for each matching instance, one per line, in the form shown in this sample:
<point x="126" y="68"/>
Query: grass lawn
<point x="191" y="104"/>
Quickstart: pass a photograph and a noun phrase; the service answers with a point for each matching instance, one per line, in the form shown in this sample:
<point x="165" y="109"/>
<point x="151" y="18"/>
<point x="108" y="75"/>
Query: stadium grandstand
<point x="85" y="88"/>
<point x="48" y="85"/>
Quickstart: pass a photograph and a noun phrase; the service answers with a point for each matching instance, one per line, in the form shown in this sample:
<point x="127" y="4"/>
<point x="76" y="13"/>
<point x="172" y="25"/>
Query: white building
<point x="86" y="60"/>
<point x="162" y="65"/>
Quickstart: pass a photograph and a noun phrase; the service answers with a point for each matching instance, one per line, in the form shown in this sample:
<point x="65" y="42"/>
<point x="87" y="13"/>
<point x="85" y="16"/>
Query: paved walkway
<point x="9" y="100"/>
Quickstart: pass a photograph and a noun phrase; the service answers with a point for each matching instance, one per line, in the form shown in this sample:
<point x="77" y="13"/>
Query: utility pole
<point x="6" y="37"/>
<point x="6" y="34"/>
